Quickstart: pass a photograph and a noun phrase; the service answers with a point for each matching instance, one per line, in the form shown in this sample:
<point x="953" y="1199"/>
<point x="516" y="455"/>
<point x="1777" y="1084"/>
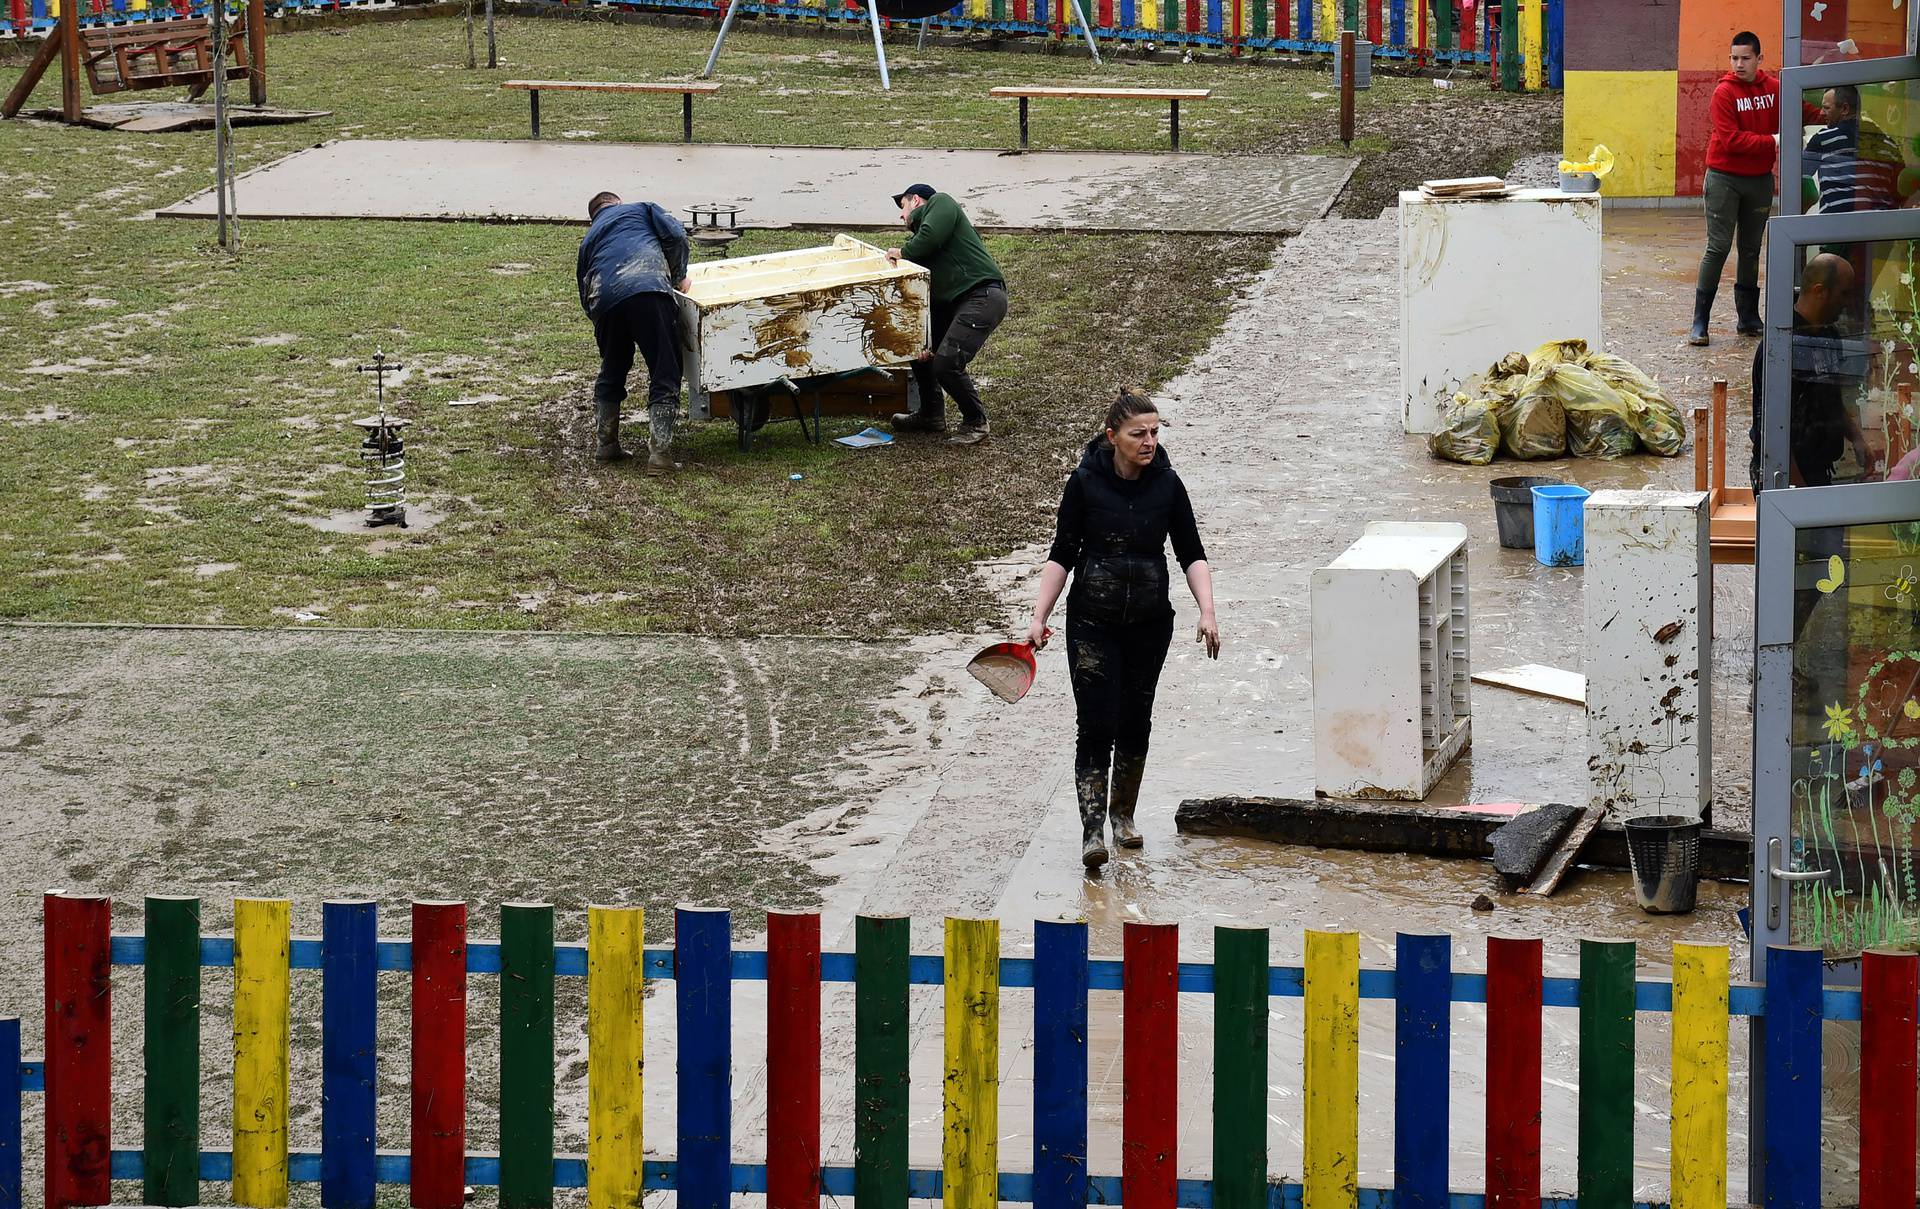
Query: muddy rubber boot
<point x="1746" y="306"/>
<point x="1702" y="312"/>
<point x="1092" y="790"/>
<point x="606" y="426"/>
<point x="1127" y="772"/>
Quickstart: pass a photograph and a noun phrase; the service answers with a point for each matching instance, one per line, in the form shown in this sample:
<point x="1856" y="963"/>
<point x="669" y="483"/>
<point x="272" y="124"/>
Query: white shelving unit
<point x="1391" y="662"/>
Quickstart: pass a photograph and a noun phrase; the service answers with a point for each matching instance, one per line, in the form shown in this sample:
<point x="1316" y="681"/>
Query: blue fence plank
<point x="12" y="1105"/>
<point x="1060" y="1065"/>
<point x="1791" y="1138"/>
<point x="1556" y="35"/>
<point x="703" y="996"/>
<point x="348" y="1003"/>
<point x="1397" y="22"/>
<point x="1422" y="1034"/>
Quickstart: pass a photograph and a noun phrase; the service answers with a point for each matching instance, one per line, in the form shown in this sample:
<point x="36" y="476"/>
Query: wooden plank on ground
<point x="1563" y="857"/>
<point x="1538" y="680"/>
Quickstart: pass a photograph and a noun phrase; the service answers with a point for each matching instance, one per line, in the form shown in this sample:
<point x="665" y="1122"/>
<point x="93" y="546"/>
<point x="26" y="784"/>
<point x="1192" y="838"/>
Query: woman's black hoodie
<point x="1112" y="534"/>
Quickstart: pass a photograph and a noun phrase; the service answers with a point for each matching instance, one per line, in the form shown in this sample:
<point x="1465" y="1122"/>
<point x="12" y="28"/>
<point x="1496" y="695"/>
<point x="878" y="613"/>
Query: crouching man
<point x="633" y="257"/>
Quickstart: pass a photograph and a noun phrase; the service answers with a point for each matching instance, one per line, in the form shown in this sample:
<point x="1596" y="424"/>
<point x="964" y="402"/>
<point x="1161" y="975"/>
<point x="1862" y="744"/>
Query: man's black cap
<point x="923" y="192"/>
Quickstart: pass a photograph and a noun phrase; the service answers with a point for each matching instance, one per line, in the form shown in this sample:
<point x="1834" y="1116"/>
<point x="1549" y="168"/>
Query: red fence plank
<point x="79" y="1068"/>
<point x="438" y="1172"/>
<point x="793" y="1060"/>
<point x="1150" y="1047"/>
<point x="1889" y="988"/>
<point x="1513" y="1073"/>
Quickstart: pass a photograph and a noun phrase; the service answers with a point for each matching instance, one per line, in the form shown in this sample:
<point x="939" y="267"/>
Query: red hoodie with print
<point x="1745" y="117"/>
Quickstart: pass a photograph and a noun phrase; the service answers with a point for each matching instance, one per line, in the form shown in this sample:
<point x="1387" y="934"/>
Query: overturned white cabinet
<point x="1391" y="709"/>
<point x="1483" y="278"/>
<point x="1649" y="656"/>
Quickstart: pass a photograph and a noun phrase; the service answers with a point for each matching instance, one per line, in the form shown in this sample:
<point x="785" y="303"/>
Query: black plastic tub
<point x="1513" y="507"/>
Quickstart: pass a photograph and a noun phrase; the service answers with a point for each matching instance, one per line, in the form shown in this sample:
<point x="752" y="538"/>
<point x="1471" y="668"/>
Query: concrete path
<point x="550" y="181"/>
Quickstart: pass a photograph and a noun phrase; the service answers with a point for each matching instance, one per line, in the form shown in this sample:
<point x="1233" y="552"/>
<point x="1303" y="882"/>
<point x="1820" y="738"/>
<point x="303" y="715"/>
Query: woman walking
<point x="1120" y="509"/>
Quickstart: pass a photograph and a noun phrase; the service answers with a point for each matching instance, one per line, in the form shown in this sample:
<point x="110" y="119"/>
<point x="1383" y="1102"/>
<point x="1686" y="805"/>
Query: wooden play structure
<point x="148" y="55"/>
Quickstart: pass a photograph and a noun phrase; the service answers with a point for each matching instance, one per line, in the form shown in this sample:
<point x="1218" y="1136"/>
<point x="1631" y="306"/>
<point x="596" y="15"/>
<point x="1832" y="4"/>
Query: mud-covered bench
<point x="1173" y="96"/>
<point x="533" y="89"/>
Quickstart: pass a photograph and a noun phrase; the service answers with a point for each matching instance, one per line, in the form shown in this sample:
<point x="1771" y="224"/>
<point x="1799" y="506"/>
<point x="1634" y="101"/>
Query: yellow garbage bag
<point x="1599" y="423"/>
<point x="1656" y="420"/>
<point x="1555" y="351"/>
<point x="1469" y="432"/>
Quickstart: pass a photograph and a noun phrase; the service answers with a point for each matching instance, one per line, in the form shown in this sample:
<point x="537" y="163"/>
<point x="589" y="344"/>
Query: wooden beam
<point x="1422" y="830"/>
<point x="70" y="102"/>
<point x="42" y="59"/>
<point x="257" y="52"/>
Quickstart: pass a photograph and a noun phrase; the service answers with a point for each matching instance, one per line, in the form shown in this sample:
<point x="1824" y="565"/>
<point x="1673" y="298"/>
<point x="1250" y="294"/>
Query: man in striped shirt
<point x="1854" y="165"/>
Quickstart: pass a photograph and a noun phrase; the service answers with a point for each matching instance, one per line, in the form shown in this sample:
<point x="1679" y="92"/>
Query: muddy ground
<point x="876" y="777"/>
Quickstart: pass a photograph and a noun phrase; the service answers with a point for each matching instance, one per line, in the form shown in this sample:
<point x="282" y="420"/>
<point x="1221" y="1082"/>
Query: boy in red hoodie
<point x="1742" y="150"/>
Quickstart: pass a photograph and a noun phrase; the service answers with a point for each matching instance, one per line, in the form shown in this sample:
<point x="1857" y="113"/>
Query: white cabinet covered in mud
<point x="755" y="320"/>
<point x="1391" y="708"/>
<point x="1483" y="278"/>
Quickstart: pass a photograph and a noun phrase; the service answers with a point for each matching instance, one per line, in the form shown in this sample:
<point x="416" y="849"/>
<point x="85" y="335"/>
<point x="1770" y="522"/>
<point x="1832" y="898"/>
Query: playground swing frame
<point x="67" y="42"/>
<point x="879" y="45"/>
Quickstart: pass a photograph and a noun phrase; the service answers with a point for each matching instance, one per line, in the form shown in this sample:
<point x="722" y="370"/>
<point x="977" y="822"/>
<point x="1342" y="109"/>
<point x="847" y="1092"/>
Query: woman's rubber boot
<point x="1702" y="312"/>
<point x="1092" y="788"/>
<point x="1746" y="305"/>
<point x="606" y="426"/>
<point x="1127" y="772"/>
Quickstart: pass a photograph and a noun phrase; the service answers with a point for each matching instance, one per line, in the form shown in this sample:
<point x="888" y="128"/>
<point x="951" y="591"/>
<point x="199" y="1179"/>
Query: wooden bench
<point x="159" y="54"/>
<point x="533" y="89"/>
<point x="1173" y="96"/>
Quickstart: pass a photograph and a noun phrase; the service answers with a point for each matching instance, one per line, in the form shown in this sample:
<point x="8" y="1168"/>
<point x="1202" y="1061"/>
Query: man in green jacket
<point x="969" y="301"/>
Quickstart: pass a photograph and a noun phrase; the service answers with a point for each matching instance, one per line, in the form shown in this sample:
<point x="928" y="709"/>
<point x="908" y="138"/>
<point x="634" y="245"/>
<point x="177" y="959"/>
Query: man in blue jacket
<point x="632" y="259"/>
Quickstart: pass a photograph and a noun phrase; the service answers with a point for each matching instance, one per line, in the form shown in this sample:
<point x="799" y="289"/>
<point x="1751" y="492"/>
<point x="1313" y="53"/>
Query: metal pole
<point x="922" y="43"/>
<point x="726" y="23"/>
<point x="879" y="48"/>
<point x="1093" y="48"/>
<point x="219" y="15"/>
<point x="493" y="59"/>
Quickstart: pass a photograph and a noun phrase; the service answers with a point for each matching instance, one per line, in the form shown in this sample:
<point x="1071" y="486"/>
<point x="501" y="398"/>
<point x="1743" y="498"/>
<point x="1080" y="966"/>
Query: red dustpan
<point x="1006" y="668"/>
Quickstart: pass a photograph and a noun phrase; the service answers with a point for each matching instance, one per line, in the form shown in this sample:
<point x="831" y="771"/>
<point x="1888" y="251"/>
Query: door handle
<point x="1776" y="875"/>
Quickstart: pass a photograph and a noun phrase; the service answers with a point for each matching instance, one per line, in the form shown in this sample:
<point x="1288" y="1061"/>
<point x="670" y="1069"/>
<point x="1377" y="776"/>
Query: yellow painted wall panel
<point x="1632" y="112"/>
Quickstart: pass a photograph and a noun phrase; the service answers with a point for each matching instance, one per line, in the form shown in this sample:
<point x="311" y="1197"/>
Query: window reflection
<point x="1855" y="736"/>
<point x="1864" y="154"/>
<point x="1855" y="29"/>
<point x="1854" y="346"/>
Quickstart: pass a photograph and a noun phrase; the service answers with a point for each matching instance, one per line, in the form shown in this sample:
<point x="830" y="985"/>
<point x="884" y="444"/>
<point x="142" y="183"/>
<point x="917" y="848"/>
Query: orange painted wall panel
<point x="1707" y="28"/>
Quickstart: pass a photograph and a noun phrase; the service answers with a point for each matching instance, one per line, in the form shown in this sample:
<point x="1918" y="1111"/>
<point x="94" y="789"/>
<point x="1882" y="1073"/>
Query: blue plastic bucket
<point x="1559" y="534"/>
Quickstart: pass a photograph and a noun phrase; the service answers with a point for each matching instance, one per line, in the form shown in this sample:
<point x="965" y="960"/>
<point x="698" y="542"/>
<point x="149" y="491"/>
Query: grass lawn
<point x="173" y="418"/>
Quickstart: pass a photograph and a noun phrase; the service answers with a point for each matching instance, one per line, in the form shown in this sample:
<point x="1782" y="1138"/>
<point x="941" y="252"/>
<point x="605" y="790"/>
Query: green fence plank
<point x="1443" y="24"/>
<point x="1510" y="46"/>
<point x="526" y="1056"/>
<point x="1239" y="1068"/>
<point x="1606" y="1074"/>
<point x="172" y="1159"/>
<point x="1260" y="18"/>
<point x="880" y="1061"/>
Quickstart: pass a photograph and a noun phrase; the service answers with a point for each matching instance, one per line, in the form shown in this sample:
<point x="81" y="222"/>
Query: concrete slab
<point x="788" y="186"/>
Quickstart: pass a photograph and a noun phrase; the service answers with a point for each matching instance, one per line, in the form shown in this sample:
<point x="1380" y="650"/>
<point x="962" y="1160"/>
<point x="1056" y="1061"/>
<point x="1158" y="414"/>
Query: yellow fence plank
<point x="1699" y="1136"/>
<point x="262" y="939"/>
<point x="616" y="991"/>
<point x="1533" y="44"/>
<point x="971" y="1159"/>
<point x="1332" y="1070"/>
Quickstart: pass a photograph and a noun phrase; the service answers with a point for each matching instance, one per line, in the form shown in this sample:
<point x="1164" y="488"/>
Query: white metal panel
<point x="1649" y="609"/>
<point x="757" y="319"/>
<point x="1481" y="279"/>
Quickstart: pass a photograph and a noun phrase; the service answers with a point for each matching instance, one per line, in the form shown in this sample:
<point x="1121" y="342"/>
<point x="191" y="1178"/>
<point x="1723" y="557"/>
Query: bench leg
<point x="534" y="95"/>
<point x="686" y="117"/>
<point x="1023" y="123"/>
<point x="1176" y="124"/>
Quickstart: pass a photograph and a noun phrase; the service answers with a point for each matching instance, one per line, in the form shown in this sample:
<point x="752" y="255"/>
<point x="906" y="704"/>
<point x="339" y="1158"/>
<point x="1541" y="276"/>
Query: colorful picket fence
<point x="35" y="18"/>
<point x="75" y="1075"/>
